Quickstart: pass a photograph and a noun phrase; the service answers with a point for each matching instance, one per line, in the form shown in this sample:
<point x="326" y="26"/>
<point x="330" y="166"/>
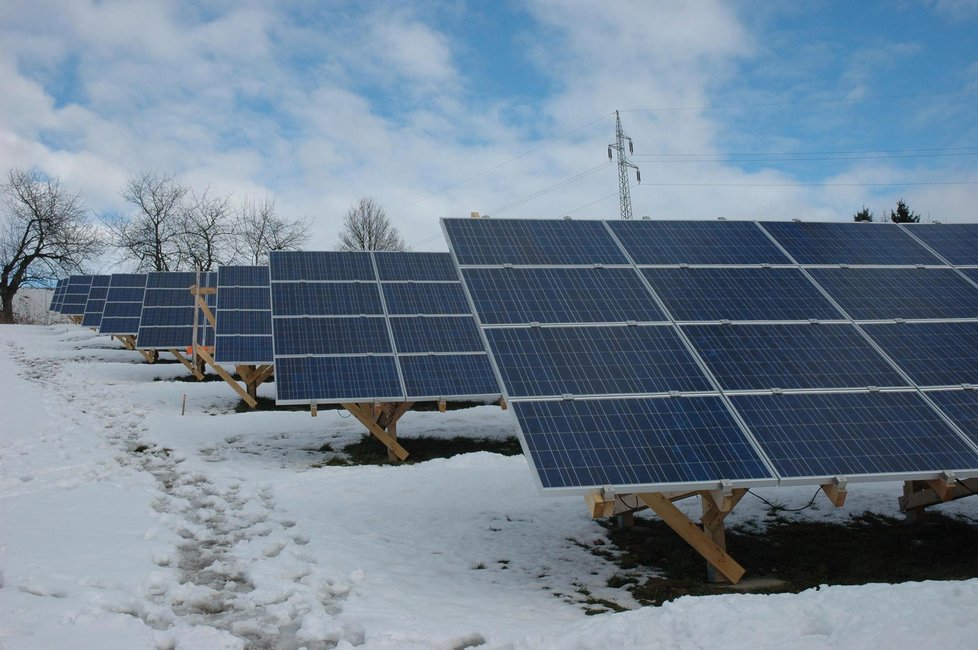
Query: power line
<point x="551" y="188"/>
<point x="818" y="153"/>
<point x="802" y="158"/>
<point x="898" y="183"/>
<point x="503" y="164"/>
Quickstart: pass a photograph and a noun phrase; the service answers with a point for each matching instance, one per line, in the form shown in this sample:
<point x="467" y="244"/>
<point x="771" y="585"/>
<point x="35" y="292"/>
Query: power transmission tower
<point x="624" y="164"/>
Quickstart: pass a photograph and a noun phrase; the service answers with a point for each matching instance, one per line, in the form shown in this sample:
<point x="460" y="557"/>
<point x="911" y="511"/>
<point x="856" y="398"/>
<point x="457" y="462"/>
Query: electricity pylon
<point x="624" y="164"/>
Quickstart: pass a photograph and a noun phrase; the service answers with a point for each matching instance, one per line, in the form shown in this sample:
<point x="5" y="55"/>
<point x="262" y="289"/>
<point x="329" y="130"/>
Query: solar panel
<point x="907" y="293"/>
<point x="961" y="406"/>
<point x="752" y="338"/>
<point x="96" y="301"/>
<point x="621" y="360"/>
<point x="750" y="357"/>
<point x="955" y="242"/>
<point x="123" y="304"/>
<point x="340" y="320"/>
<point x="57" y="296"/>
<point x="848" y="243"/>
<point x="932" y="354"/>
<point x="852" y="434"/>
<point x="696" y="242"/>
<point x="560" y="295"/>
<point x="636" y="442"/>
<point x="76" y="295"/>
<point x="748" y="294"/>
<point x="244" y="330"/>
<point x="528" y="242"/>
<point x="169" y="320"/>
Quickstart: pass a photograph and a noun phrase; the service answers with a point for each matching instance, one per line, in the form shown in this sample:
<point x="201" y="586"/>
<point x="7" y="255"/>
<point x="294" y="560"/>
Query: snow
<point x="124" y="524"/>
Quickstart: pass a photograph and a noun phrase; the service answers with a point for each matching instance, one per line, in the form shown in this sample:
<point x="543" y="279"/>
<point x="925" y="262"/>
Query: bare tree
<point x="260" y="230"/>
<point x="366" y="227"/>
<point x="207" y="232"/>
<point x="151" y="235"/>
<point x="45" y="232"/>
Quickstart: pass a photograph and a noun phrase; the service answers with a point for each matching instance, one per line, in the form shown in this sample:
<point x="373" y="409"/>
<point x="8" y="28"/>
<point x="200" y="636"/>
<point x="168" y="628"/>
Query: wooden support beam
<point x="598" y="505"/>
<point x="262" y="373"/>
<point x="128" y="341"/>
<point x="701" y="542"/>
<point x="314" y="409"/>
<point x="368" y="416"/>
<point x="503" y="404"/>
<point x="917" y="495"/>
<point x="151" y="356"/>
<point x="442" y="406"/>
<point x="205" y="354"/>
<point x="208" y="314"/>
<point x="190" y="365"/>
<point x="944" y="489"/>
<point x="715" y="512"/>
<point x="836" y="492"/>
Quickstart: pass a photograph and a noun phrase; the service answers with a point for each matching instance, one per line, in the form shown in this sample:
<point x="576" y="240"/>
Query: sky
<point x="743" y="110"/>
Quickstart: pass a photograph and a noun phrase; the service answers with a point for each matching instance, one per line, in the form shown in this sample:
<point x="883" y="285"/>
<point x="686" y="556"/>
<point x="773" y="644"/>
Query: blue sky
<point x="742" y="109"/>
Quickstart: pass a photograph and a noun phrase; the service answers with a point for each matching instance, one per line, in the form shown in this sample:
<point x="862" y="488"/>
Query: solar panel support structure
<point x="203" y="355"/>
<point x="129" y="342"/>
<point x="624" y="164"/>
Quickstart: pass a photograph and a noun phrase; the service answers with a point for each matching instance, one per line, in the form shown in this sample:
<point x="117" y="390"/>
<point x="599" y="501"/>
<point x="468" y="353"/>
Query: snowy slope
<point x="124" y="524"/>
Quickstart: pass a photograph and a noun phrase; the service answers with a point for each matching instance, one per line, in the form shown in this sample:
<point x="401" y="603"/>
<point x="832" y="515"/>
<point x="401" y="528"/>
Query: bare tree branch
<point x="151" y="235"/>
<point x="260" y="230"/>
<point x="207" y="232"/>
<point x="45" y="232"/>
<point x="366" y="227"/>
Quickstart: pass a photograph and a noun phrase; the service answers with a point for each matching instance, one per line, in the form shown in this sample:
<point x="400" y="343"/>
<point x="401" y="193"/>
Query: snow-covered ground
<point x="124" y="524"/>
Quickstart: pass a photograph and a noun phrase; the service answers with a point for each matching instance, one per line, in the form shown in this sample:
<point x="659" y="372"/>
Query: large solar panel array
<point x="244" y="331"/>
<point x="657" y="355"/>
<point x="76" y="295"/>
<point x="383" y="326"/>
<point x="96" y="301"/>
<point x="169" y="318"/>
<point x="123" y="304"/>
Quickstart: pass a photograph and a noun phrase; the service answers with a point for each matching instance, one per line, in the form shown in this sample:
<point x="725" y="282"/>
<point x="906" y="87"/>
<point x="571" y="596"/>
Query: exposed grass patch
<point x="369" y="451"/>
<point x="803" y="554"/>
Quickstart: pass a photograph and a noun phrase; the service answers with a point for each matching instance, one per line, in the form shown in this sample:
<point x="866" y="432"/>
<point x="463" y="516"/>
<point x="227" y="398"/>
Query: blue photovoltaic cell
<point x="607" y="360"/>
<point x="909" y="293"/>
<point x="696" y="242"/>
<point x="169" y="311"/>
<point x="560" y="295"/>
<point x="123" y="304"/>
<point x="849" y="434"/>
<point x="244" y="330"/>
<point x="326" y="298"/>
<point x="363" y="378"/>
<point x="425" y="298"/>
<point x="56" y="297"/>
<point x="412" y="305"/>
<point x="749" y="357"/>
<point x="331" y="266"/>
<point x="955" y="242"/>
<point x="76" y="295"/>
<point x="712" y="294"/>
<point x="932" y="354"/>
<point x="245" y="298"/>
<point x="244" y="322"/>
<point x="316" y="336"/>
<point x="96" y="301"/>
<point x="422" y="267"/>
<point x="526" y="241"/>
<point x="449" y="375"/>
<point x="622" y="442"/>
<point x="436" y="334"/>
<point x="848" y="243"/>
<point x="961" y="406"/>
<point x="243" y="349"/>
<point x="242" y="276"/>
<point x="971" y="273"/>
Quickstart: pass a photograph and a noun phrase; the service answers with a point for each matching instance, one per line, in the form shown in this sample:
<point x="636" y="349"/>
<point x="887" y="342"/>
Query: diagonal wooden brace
<point x="368" y="417"/>
<point x="691" y="533"/>
<point x="204" y="354"/>
<point x="194" y="370"/>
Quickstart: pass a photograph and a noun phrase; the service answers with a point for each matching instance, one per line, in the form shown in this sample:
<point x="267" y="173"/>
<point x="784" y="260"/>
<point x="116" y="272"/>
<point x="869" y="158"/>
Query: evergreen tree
<point x="903" y="214"/>
<point x="863" y="215"/>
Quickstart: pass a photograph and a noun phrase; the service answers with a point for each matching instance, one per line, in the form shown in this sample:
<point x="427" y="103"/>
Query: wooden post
<point x="378" y="420"/>
<point x="205" y="354"/>
<point x="702" y="542"/>
<point x="188" y="364"/>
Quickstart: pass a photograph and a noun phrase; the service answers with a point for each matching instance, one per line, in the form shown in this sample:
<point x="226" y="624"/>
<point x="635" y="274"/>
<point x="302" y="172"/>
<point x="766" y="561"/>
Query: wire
<point x="551" y="188"/>
<point x="504" y="163"/>
<point x="805" y="158"/>
<point x="898" y="183"/>
<point x="852" y="100"/>
<point x="824" y="153"/>
<point x="782" y="508"/>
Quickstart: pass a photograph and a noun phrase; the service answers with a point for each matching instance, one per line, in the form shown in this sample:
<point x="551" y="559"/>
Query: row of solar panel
<point x="548" y="242"/>
<point x="670" y="394"/>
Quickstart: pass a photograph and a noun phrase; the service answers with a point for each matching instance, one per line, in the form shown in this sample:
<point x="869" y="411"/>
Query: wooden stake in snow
<point x="183" y="408"/>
